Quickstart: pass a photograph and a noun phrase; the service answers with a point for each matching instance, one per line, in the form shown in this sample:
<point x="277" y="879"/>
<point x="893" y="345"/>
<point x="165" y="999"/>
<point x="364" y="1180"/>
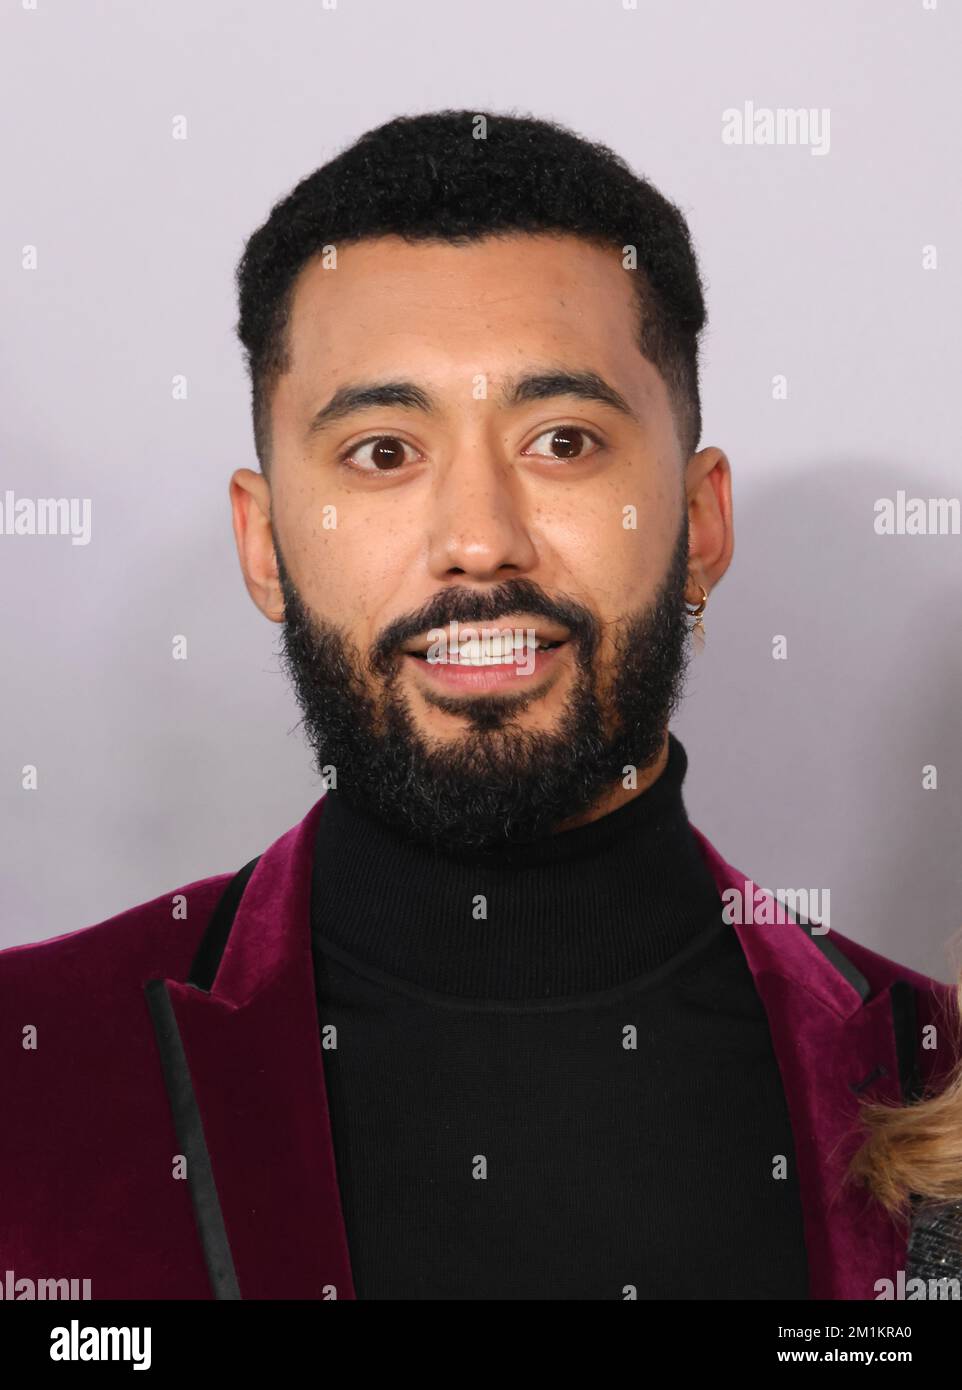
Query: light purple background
<point x="155" y="772"/>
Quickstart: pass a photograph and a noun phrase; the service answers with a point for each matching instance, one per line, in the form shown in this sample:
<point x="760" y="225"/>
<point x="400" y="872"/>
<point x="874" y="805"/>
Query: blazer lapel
<point x="240" y="1047"/>
<point x="834" y="1046"/>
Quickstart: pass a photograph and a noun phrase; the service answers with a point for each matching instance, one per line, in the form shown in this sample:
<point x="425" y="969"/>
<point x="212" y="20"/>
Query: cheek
<point x="643" y="543"/>
<point x="349" y="571"/>
<point x="612" y="559"/>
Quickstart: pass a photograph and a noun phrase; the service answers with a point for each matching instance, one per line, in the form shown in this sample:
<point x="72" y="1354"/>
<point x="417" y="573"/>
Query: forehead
<point x="478" y="307"/>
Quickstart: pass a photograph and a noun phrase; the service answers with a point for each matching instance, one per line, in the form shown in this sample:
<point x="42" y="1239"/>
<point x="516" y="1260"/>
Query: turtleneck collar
<point x="571" y="913"/>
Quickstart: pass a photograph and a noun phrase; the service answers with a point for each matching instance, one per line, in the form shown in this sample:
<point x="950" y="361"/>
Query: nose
<point x="478" y="526"/>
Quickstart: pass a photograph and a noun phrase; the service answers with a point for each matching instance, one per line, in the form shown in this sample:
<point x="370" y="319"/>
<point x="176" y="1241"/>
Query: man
<point x="481" y="1025"/>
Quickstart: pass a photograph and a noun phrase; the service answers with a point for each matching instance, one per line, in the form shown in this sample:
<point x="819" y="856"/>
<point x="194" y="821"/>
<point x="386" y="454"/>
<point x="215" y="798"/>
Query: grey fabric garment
<point x="935" y="1243"/>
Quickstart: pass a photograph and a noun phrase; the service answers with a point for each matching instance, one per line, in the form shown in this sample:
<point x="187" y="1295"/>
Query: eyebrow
<point x="531" y="386"/>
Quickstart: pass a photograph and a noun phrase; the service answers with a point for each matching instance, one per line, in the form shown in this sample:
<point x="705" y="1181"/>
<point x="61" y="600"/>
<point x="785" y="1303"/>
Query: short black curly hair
<point x="459" y="176"/>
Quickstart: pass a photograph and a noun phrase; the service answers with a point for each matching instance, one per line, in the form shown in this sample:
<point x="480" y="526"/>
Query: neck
<point x="583" y="909"/>
<point x="619" y="795"/>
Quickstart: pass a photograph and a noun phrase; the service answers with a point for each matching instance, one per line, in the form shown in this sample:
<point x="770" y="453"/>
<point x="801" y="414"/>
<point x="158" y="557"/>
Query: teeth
<point x="474" y="654"/>
<point x="474" y="647"/>
<point x="489" y="651"/>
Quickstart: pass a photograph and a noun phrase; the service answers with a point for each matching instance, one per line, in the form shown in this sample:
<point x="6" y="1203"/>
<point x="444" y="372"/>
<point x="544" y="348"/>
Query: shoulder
<point x="157" y="937"/>
<point x="873" y="973"/>
<point x="882" y="969"/>
<point x="921" y="999"/>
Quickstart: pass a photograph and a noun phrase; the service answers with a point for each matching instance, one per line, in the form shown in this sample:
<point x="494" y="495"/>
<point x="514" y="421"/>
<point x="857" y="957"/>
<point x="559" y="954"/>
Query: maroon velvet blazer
<point x="164" y="1115"/>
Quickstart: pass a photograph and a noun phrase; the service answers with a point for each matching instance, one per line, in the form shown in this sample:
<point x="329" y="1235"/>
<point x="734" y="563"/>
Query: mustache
<point x="464" y="606"/>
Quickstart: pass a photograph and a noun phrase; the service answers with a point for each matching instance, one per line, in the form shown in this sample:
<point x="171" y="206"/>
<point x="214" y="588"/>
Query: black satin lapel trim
<point x="193" y="1145"/>
<point x="904" y="1019"/>
<point x="840" y="961"/>
<point x="214" y="941"/>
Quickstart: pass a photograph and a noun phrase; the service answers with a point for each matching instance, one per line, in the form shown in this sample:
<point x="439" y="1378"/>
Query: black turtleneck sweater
<point x="549" y="1073"/>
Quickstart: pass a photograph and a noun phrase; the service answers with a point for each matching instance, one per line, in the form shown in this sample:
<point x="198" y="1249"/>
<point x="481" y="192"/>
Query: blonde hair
<point x="915" y="1150"/>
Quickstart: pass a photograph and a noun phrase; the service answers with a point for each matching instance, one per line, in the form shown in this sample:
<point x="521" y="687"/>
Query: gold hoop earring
<point x="697" y="630"/>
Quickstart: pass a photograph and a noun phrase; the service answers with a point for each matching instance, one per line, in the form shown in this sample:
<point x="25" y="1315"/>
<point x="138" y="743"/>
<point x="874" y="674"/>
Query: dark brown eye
<point x="567" y="442"/>
<point x="382" y="454"/>
<point x="387" y="452"/>
<point x="564" y="442"/>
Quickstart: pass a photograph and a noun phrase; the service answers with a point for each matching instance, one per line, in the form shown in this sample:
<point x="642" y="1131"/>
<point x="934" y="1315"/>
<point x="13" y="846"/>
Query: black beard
<point x="496" y="782"/>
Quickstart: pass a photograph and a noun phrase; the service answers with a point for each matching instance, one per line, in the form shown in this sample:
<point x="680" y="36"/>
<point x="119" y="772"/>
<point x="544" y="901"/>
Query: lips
<point x="482" y="654"/>
<point x="517" y="673"/>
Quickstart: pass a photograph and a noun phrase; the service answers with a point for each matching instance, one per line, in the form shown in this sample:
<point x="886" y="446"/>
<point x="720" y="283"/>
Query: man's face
<point x="483" y="482"/>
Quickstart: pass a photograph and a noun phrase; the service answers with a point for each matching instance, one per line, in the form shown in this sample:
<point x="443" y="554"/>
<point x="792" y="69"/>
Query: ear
<point x="250" y="497"/>
<point x="708" y="486"/>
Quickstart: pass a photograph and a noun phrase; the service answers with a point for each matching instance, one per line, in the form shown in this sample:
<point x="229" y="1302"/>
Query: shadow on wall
<point x="809" y="770"/>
